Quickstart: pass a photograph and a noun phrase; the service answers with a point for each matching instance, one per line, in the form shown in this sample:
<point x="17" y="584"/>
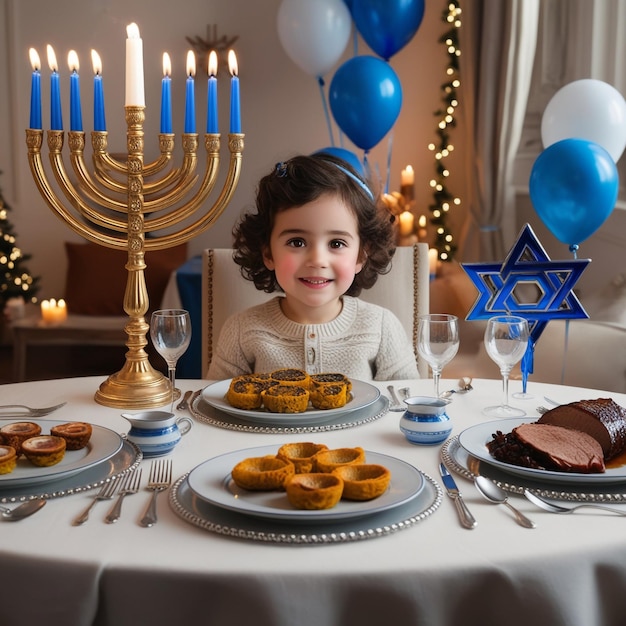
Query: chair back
<point x="404" y="290"/>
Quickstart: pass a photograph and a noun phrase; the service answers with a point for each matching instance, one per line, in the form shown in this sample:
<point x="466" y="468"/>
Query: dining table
<point x="411" y="562"/>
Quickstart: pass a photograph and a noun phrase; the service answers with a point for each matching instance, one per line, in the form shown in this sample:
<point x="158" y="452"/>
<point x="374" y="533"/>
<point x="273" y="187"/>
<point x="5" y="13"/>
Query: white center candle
<point x="406" y="223"/>
<point x="134" y="67"/>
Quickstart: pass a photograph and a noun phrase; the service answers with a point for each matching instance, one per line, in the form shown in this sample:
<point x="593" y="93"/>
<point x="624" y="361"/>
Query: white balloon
<point x="314" y="33"/>
<point x="587" y="109"/>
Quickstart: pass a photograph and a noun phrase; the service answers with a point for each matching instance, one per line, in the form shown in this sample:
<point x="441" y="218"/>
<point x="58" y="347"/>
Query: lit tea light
<point x="53" y="311"/>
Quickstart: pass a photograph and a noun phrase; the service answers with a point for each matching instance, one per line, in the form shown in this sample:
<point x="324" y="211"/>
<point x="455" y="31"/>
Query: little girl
<point x="318" y="237"/>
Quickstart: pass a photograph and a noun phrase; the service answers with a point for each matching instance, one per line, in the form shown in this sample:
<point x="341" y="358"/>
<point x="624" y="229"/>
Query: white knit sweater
<point x="365" y="342"/>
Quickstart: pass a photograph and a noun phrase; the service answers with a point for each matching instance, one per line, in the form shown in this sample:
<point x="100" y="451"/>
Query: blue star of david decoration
<point x="529" y="267"/>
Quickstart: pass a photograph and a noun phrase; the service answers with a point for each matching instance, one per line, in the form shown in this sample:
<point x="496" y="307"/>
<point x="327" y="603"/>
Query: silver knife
<point x="467" y="519"/>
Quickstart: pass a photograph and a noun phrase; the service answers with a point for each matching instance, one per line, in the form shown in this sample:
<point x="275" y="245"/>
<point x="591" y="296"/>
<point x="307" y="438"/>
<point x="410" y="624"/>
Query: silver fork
<point x="27" y="411"/>
<point x="129" y="486"/>
<point x="159" y="480"/>
<point x="106" y="493"/>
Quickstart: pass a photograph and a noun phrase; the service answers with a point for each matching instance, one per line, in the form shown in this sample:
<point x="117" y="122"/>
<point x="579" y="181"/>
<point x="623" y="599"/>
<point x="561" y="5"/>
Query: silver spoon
<point x="396" y="404"/>
<point x="556" y="508"/>
<point x="23" y="510"/>
<point x="493" y="493"/>
<point x="465" y="385"/>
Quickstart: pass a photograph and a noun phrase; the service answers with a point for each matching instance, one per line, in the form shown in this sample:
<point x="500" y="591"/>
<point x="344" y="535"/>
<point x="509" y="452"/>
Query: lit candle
<point x="235" y="107"/>
<point x="76" y="115"/>
<point x="134" y="67"/>
<point x="56" y="115"/>
<point x="99" y="120"/>
<point x="432" y="262"/>
<point x="53" y="311"/>
<point x="422" y="233"/>
<point x="166" y="95"/>
<point x="407" y="180"/>
<point x="190" y="106"/>
<point x="406" y="223"/>
<point x="211" y="119"/>
<point x="35" y="90"/>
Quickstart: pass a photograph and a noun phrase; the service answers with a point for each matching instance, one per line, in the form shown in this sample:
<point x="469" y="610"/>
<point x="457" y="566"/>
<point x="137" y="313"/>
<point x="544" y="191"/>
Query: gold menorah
<point x="122" y="201"/>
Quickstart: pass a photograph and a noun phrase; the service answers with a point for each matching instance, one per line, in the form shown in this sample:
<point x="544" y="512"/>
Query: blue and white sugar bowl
<point x="156" y="433"/>
<point x="425" y="421"/>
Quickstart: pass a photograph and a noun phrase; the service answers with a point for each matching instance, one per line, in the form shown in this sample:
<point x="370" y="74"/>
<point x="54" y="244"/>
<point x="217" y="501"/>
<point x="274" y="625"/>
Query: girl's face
<point x="315" y="253"/>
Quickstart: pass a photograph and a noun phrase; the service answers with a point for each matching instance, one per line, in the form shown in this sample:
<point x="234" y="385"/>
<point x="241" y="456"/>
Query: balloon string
<point x="389" y="151"/>
<point x="320" y="82"/>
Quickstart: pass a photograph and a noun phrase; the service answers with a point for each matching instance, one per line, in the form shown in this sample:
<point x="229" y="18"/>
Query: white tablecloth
<point x="570" y="570"/>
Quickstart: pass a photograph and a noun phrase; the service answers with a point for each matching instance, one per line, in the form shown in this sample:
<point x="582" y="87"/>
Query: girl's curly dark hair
<point x="299" y="181"/>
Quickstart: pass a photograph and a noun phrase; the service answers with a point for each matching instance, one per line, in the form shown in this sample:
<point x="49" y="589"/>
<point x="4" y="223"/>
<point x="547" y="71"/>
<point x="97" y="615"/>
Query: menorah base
<point x="136" y="386"/>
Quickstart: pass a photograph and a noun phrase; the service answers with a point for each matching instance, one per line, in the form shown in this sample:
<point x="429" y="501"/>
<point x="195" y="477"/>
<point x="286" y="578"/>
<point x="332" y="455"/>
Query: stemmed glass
<point x="170" y="331"/>
<point x="506" y="339"/>
<point x="438" y="342"/>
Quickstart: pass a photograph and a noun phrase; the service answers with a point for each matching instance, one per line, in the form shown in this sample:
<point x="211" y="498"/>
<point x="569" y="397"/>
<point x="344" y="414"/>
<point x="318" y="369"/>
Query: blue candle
<point x="99" y="119"/>
<point x="235" y="107"/>
<point x="76" y="116"/>
<point x="166" y="95"/>
<point x="211" y="119"/>
<point x="56" y="115"/>
<point x="35" y="90"/>
<point x="190" y="107"/>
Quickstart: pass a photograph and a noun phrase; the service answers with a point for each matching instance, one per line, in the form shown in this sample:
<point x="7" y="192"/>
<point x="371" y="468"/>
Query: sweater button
<point x="312" y="336"/>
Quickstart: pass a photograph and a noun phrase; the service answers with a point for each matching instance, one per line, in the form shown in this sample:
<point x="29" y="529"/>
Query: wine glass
<point x="438" y="342"/>
<point x="506" y="339"/>
<point x="170" y="331"/>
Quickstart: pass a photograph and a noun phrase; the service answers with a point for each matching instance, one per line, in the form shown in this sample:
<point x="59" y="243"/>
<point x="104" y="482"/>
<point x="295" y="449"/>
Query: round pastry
<point x="15" y="433"/>
<point x="331" y="378"/>
<point x="363" y="482"/>
<point x="76" y="434"/>
<point x="314" y="491"/>
<point x="8" y="459"/>
<point x="244" y="394"/>
<point x="328" y="460"/>
<point x="329" y="396"/>
<point x="291" y="376"/>
<point x="263" y="473"/>
<point x="301" y="455"/>
<point x="286" y="399"/>
<point x="44" y="450"/>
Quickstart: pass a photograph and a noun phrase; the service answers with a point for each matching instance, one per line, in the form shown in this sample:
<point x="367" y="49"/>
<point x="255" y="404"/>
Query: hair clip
<point x="281" y="169"/>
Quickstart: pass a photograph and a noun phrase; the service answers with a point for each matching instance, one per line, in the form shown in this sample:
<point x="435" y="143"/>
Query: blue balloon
<point x="387" y="25"/>
<point x="365" y="97"/>
<point x="348" y="156"/>
<point x="573" y="188"/>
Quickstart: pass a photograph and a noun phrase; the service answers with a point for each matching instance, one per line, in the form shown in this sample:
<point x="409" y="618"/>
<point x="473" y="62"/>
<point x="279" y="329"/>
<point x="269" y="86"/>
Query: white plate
<point x="475" y="439"/>
<point x="212" y="482"/>
<point x="104" y="443"/>
<point x="363" y="394"/>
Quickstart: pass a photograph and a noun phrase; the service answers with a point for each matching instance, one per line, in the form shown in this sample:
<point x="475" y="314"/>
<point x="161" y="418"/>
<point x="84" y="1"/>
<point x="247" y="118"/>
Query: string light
<point x="443" y="200"/>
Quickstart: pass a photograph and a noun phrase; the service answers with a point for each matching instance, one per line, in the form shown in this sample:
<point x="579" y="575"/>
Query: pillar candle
<point x="135" y="95"/>
<point x="99" y="120"/>
<point x="190" y="106"/>
<point x="56" y="114"/>
<point x="235" y="107"/>
<point x="35" y="90"/>
<point x="433" y="256"/>
<point x="53" y="311"/>
<point x="166" y="95"/>
<point x="407" y="181"/>
<point x="422" y="233"/>
<point x="211" y="119"/>
<point x="76" y="115"/>
<point x="406" y="223"/>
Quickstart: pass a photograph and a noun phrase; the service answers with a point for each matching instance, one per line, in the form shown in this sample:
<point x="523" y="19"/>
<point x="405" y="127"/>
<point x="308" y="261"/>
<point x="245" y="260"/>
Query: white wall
<point x="281" y="105"/>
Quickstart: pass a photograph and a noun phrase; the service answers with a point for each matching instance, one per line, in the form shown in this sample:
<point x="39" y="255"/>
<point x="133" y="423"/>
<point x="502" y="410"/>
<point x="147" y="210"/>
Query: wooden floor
<point x="47" y="362"/>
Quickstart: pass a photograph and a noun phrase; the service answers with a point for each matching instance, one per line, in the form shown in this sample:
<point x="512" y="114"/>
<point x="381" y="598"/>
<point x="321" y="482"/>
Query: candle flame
<point x="167" y="65"/>
<point x="35" y="61"/>
<point x="132" y="31"/>
<point x="191" y="63"/>
<point x="212" y="63"/>
<point x="233" y="68"/>
<point x="422" y="221"/>
<point x="52" y="59"/>
<point x="96" y="62"/>
<point x="72" y="61"/>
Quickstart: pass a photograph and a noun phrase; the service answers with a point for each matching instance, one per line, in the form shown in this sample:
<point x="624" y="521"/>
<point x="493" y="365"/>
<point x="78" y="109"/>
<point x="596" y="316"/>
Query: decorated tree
<point x="15" y="279"/>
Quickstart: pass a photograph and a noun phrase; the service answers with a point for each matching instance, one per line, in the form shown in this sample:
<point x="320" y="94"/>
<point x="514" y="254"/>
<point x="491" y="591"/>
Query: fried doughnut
<point x="301" y="455"/>
<point x="245" y="394"/>
<point x="263" y="473"/>
<point x="286" y="399"/>
<point x="44" y="450"/>
<point x="363" y="482"/>
<point x="329" y="396"/>
<point x="76" y="434"/>
<point x="314" y="491"/>
<point x="328" y="460"/>
<point x="15" y="433"/>
<point x="8" y="459"/>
